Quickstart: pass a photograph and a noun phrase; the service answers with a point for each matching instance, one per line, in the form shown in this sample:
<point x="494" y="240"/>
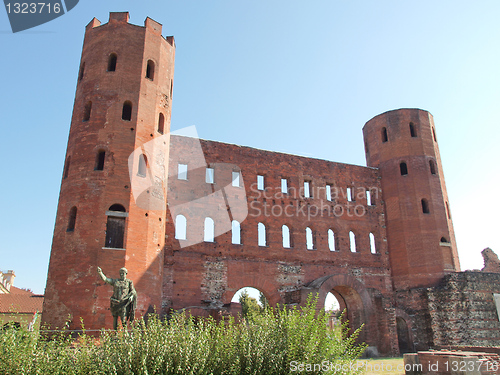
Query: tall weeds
<point x="264" y="343"/>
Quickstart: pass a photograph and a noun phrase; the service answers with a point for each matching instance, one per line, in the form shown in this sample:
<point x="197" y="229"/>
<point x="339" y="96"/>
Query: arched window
<point x="448" y="214"/>
<point x="413" y="130"/>
<point x="432" y="166"/>
<point x="309" y="239"/>
<point x="425" y="206"/>
<point x="127" y="111"/>
<point x="352" y="241"/>
<point x="331" y="240"/>
<point x="403" y="168"/>
<point x="209" y="229"/>
<point x="235" y="233"/>
<point x="87" y="110"/>
<point x="384" y="135"/>
<point x="171" y="87"/>
<point x="180" y="227"/>
<point x="161" y="123"/>
<point x="99" y="160"/>
<point x="285" y="231"/>
<point x="443" y="240"/>
<point x="373" y="247"/>
<point x="72" y="219"/>
<point x="112" y="62"/>
<point x="115" y="226"/>
<point x="143" y="165"/>
<point x="150" y="70"/>
<point x="82" y="70"/>
<point x="434" y="134"/>
<point x="66" y="167"/>
<point x="261" y="234"/>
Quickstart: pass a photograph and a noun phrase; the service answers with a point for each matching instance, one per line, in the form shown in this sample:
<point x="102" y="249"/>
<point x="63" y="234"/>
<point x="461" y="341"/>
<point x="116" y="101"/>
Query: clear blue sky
<point x="295" y="76"/>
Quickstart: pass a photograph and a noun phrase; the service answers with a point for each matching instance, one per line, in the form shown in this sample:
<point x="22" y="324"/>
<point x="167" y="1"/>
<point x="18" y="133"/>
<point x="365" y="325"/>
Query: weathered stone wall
<point x="463" y="311"/>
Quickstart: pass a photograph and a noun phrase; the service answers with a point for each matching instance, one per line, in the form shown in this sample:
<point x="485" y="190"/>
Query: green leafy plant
<point x="268" y="341"/>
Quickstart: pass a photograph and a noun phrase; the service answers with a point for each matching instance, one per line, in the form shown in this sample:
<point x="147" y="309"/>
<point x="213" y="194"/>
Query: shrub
<point x="271" y="341"/>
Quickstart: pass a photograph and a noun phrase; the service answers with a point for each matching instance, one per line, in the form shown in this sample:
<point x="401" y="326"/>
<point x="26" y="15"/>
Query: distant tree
<point x="249" y="305"/>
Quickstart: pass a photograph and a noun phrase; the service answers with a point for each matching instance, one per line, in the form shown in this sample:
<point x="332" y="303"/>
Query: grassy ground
<point x="382" y="366"/>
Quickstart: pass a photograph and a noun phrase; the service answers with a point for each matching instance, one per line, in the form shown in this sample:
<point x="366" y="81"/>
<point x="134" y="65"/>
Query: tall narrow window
<point x="425" y="206"/>
<point x="87" y="110"/>
<point x="209" y="175"/>
<point x="180" y="227"/>
<point x="309" y="239"/>
<point x="150" y="70"/>
<point x="328" y="193"/>
<point x="236" y="179"/>
<point x="284" y="186"/>
<point x="260" y="182"/>
<point x="82" y="71"/>
<point x="171" y="87"/>
<point x="285" y="231"/>
<point x="368" y="198"/>
<point x="448" y="214"/>
<point x="208" y="233"/>
<point x="115" y="227"/>
<point x="127" y="111"/>
<point x="373" y="247"/>
<point x="413" y="130"/>
<point x="182" y="172"/>
<point x="99" y="160"/>
<point x="112" y="62"/>
<point x="307" y="189"/>
<point x="384" y="135"/>
<point x="350" y="194"/>
<point x="143" y="165"/>
<point x="352" y="241"/>
<point x="432" y="166"/>
<point x="261" y="228"/>
<point x="403" y="168"/>
<point x="331" y="240"/>
<point x="66" y="167"/>
<point x="235" y="233"/>
<point x="434" y="134"/>
<point x="161" y="123"/>
<point x="72" y="220"/>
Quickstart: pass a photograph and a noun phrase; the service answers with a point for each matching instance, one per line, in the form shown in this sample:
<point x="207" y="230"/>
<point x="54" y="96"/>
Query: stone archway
<point x="352" y="296"/>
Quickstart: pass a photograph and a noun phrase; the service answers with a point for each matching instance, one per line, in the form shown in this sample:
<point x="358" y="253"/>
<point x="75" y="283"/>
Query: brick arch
<point x="351" y="294"/>
<point x="401" y="314"/>
<point x="260" y="283"/>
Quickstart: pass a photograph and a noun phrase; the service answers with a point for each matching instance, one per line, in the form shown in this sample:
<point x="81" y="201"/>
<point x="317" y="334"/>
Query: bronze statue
<point x="124" y="298"/>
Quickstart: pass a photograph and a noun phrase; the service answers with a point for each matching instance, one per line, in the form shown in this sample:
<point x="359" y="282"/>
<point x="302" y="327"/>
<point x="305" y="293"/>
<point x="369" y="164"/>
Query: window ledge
<point x="112" y="248"/>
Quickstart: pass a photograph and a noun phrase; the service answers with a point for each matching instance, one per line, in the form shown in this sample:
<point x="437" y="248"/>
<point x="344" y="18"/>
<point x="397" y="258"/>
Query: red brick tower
<point x="105" y="216"/>
<point x="403" y="145"/>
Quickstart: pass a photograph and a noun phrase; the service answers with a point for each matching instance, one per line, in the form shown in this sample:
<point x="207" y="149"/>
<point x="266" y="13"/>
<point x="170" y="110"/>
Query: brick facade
<point x="377" y="237"/>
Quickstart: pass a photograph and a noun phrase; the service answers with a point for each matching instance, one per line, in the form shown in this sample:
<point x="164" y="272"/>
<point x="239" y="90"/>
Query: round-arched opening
<point x="345" y="299"/>
<point x="248" y="300"/>
<point x="404" y="341"/>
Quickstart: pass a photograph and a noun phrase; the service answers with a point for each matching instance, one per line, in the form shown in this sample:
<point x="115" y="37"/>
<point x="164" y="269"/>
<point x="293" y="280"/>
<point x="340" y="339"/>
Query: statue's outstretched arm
<point x="103" y="277"/>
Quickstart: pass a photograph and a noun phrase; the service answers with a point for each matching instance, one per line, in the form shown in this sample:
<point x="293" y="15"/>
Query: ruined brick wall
<point x="206" y="274"/>
<point x="463" y="311"/>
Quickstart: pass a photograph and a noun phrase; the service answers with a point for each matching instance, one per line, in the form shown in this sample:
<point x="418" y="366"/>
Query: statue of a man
<point x="124" y="298"/>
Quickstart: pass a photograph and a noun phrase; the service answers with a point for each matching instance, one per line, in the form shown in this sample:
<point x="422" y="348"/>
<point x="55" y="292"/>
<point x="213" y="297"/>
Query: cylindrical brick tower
<point x="111" y="210"/>
<point x="421" y="241"/>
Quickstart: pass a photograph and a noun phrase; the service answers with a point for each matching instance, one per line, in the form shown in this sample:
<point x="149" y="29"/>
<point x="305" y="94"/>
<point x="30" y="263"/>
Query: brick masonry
<point x="392" y="259"/>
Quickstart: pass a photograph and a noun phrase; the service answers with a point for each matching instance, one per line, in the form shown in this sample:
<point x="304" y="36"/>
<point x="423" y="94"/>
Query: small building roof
<point x="20" y="301"/>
